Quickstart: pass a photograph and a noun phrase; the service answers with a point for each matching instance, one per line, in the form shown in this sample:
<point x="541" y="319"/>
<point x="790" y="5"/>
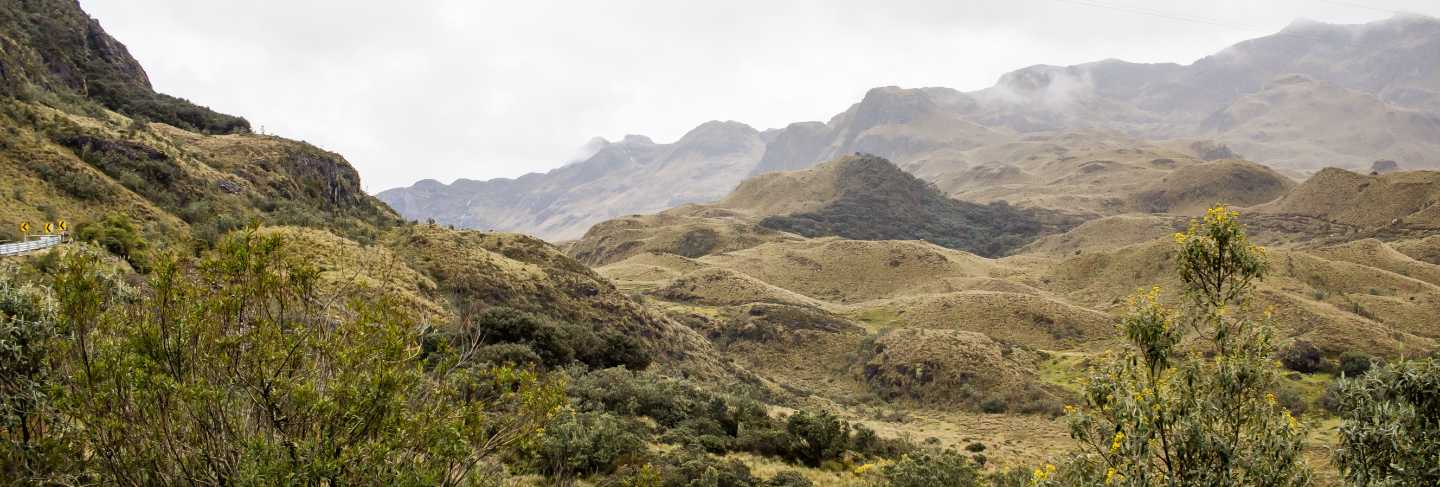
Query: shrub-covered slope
<point x="871" y="199"/>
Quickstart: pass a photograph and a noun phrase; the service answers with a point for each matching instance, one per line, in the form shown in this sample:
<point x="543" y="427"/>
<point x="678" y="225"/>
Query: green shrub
<point x="1355" y="364"/>
<point x="74" y="181"/>
<point x="588" y="443"/>
<point x="545" y="337"/>
<point x="117" y="235"/>
<point x="789" y="478"/>
<point x="994" y="405"/>
<point x="688" y="467"/>
<point x="557" y="343"/>
<point x="507" y="353"/>
<point x="821" y="436"/>
<point x="975" y="447"/>
<point x="1302" y="356"/>
<point x="226" y="357"/>
<point x="770" y="442"/>
<point x="931" y="468"/>
<point x="1391" y="429"/>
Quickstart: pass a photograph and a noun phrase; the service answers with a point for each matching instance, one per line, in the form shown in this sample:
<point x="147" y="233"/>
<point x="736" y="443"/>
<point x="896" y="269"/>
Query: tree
<point x="1188" y="402"/>
<point x="1391" y="429"/>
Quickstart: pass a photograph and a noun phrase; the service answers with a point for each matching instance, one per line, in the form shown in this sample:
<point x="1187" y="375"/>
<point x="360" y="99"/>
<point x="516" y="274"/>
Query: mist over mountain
<point x="1310" y="96"/>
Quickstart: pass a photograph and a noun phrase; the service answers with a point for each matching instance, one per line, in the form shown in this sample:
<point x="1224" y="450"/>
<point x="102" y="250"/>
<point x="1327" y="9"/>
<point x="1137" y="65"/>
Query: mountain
<point x="634" y="175"/>
<point x="1309" y="96"/>
<point x="84" y="138"/>
<point x="868" y="198"/>
<point x="860" y="197"/>
<point x="52" y="49"/>
<point x="87" y="137"/>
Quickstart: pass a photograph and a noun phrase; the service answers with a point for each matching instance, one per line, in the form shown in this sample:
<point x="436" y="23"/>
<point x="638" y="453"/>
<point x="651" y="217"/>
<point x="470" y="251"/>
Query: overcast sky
<point x="447" y="89"/>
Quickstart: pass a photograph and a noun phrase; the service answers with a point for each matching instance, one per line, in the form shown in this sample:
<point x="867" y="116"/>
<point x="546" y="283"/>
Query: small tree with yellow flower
<point x="1187" y="402"/>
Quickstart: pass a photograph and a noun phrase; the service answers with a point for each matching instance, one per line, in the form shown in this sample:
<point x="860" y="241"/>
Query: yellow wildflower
<point x="1180" y="238"/>
<point x="1115" y="443"/>
<point x="1111" y="476"/>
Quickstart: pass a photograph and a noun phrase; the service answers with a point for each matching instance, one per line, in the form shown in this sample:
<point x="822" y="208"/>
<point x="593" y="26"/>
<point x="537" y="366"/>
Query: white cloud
<point x="478" y="89"/>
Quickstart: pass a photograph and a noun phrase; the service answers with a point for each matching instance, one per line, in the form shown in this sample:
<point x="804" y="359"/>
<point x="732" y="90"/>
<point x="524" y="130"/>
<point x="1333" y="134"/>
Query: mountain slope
<point x="1297" y="121"/>
<point x="634" y="175"/>
<point x="868" y="198"/>
<point x="1309" y="96"/>
<point x="68" y="151"/>
<point x="50" y="49"/>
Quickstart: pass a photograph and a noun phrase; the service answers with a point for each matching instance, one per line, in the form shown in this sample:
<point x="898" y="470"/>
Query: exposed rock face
<point x="1384" y="166"/>
<point x="54" y="45"/>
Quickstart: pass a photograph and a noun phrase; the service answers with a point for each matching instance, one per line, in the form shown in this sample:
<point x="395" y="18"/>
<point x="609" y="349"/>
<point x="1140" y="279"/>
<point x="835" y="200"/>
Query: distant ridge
<point x="1377" y="86"/>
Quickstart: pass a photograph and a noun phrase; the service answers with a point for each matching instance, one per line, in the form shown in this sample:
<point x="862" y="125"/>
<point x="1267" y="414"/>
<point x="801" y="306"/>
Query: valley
<point x="931" y="283"/>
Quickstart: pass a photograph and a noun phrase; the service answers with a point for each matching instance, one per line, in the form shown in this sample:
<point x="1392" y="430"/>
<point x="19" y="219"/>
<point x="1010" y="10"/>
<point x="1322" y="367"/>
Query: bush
<point x="1355" y="364"/>
<point x="76" y="182"/>
<point x="506" y="353"/>
<point x="975" y="447"/>
<point x="789" y="478"/>
<point x="1391" y="429"/>
<point x="993" y="405"/>
<point x="686" y="467"/>
<point x="931" y="468"/>
<point x="768" y="442"/>
<point x="544" y="337"/>
<point x="558" y="343"/>
<point x="311" y="394"/>
<point x="588" y="443"/>
<point x="1302" y="356"/>
<point x="821" y="436"/>
<point x="117" y="235"/>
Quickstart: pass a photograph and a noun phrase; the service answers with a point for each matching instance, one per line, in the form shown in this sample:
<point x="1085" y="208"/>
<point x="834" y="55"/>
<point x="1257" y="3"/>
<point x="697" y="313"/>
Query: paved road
<point x="39" y="242"/>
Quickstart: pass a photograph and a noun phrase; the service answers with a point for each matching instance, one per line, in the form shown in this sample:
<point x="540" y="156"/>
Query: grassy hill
<point x="871" y="199"/>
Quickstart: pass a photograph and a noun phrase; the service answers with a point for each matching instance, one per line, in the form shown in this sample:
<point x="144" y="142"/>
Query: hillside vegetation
<point x="871" y="199"/>
<point x="1067" y="308"/>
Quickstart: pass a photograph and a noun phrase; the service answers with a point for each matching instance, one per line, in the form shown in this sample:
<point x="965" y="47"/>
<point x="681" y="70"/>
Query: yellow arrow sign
<point x="62" y="226"/>
<point x="24" y="227"/>
<point x="49" y="228"/>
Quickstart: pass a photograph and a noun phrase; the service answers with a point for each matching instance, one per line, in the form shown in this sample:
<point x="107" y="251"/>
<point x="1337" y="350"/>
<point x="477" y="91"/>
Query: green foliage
<point x="928" y="468"/>
<point x="556" y="344"/>
<point x="119" y="236"/>
<point x="233" y="369"/>
<point x="27" y="337"/>
<point x="1355" y="364"/>
<point x="689" y="467"/>
<point x="789" y="478"/>
<point x="1302" y="356"/>
<point x="822" y="436"/>
<point x="141" y="102"/>
<point x="75" y="181"/>
<point x="588" y="443"/>
<point x="546" y="338"/>
<point x="1161" y="413"/>
<point x="704" y="421"/>
<point x="1391" y="429"/>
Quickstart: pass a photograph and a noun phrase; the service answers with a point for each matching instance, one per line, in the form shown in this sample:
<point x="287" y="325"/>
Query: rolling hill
<point x="1310" y="96"/>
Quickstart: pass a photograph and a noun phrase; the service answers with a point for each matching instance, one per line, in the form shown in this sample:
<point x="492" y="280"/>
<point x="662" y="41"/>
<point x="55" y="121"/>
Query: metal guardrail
<point x="38" y="243"/>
